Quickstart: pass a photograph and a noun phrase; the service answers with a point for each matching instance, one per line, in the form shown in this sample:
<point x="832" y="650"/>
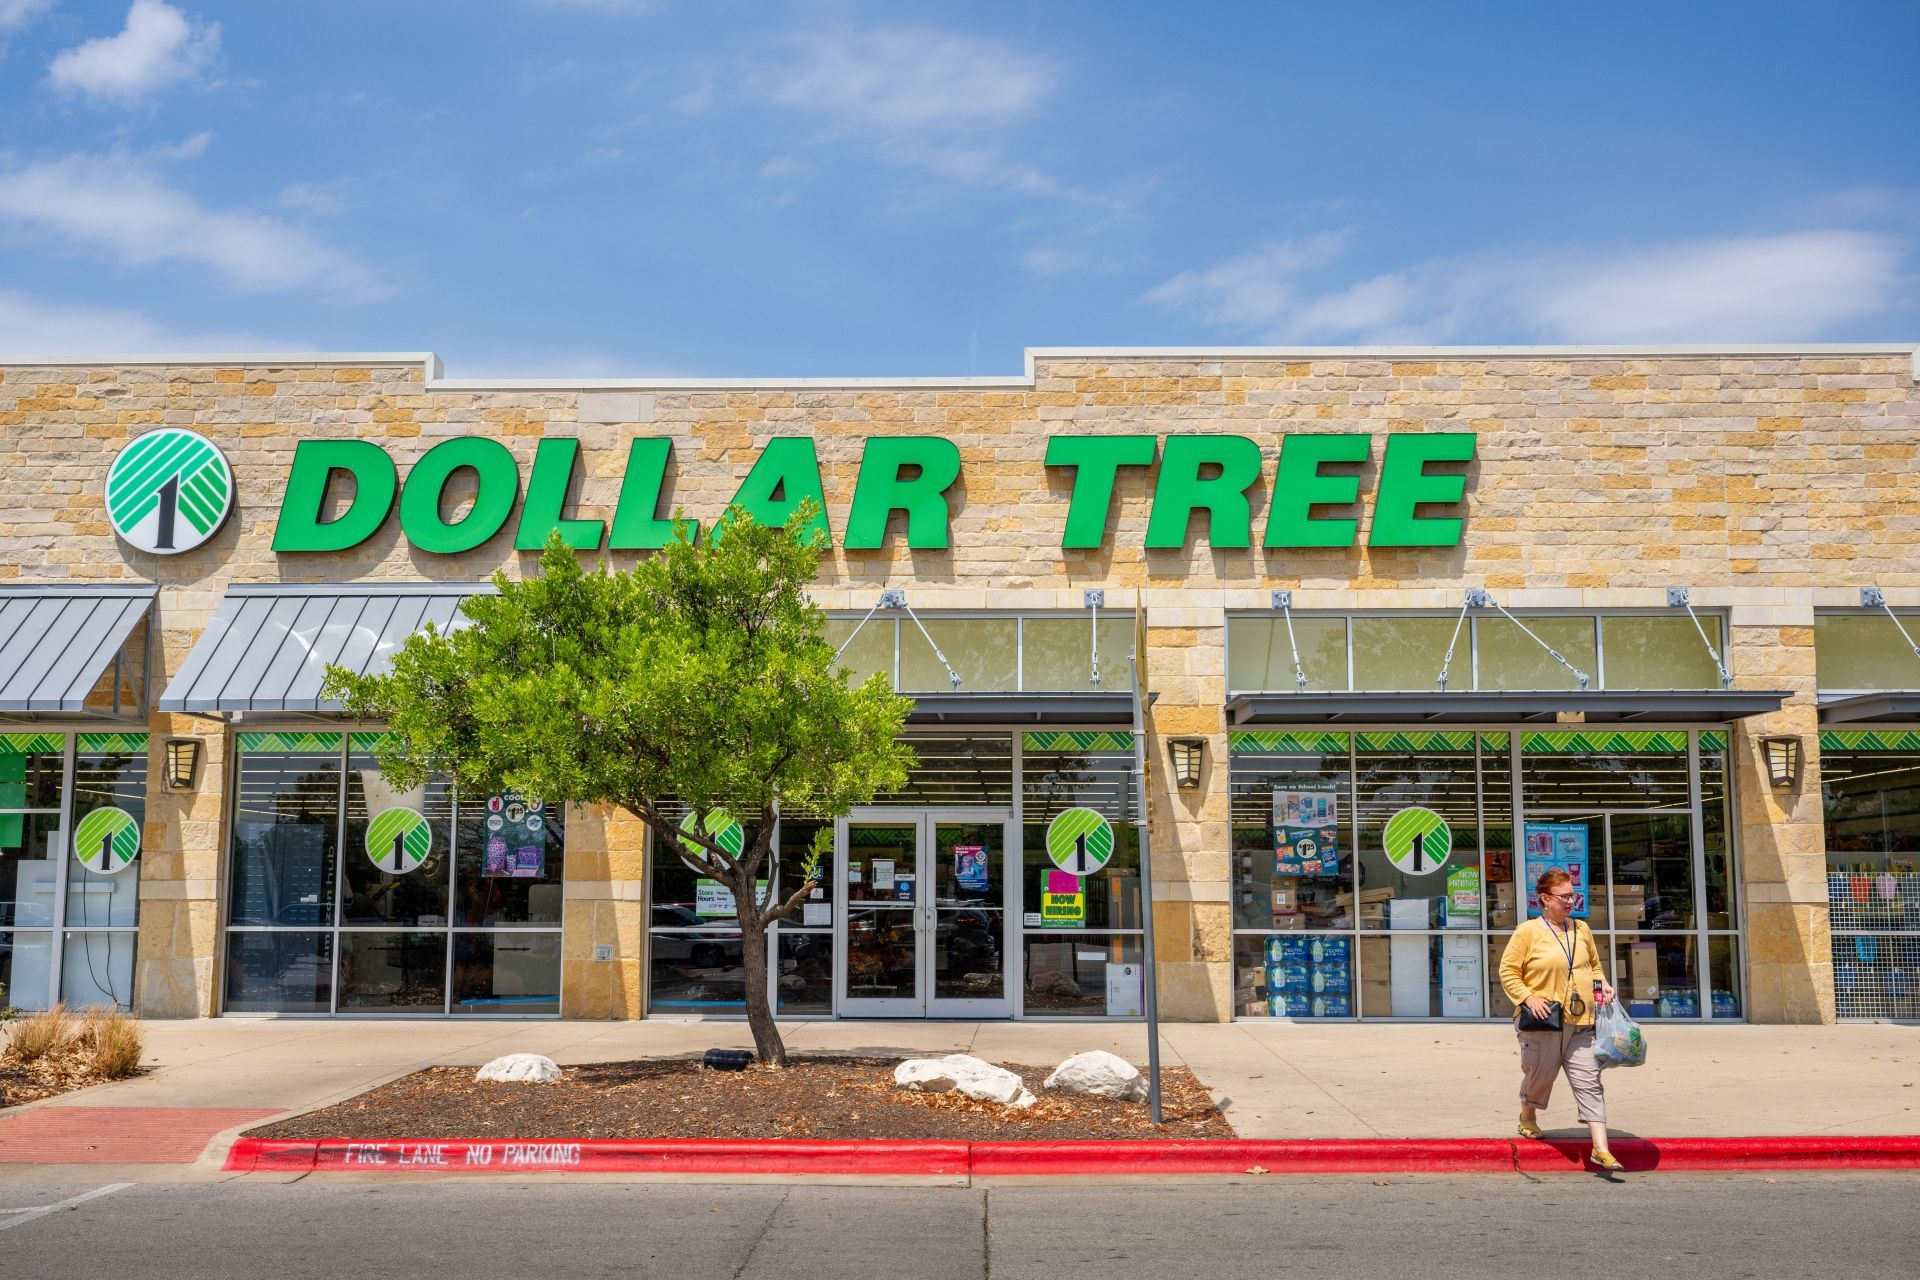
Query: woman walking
<point x="1551" y="971"/>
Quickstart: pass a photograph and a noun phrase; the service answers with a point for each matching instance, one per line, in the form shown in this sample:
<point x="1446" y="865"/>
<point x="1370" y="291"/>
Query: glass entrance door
<point x="923" y="925"/>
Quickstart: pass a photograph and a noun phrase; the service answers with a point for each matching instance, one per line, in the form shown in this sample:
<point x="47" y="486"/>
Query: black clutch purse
<point x="1552" y="1022"/>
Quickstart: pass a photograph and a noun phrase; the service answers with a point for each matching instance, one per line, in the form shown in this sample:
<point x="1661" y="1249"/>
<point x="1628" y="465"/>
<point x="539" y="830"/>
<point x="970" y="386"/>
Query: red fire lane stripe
<point x="1106" y="1159"/>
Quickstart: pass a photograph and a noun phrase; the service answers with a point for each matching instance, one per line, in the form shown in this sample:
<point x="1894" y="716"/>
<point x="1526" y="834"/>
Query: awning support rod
<point x="1095" y="597"/>
<point x="1874" y="598"/>
<point x="894" y="598"/>
<point x="1681" y="598"/>
<point x="900" y="602"/>
<point x="1446" y="664"/>
<point x="1283" y="601"/>
<point x="1477" y="598"/>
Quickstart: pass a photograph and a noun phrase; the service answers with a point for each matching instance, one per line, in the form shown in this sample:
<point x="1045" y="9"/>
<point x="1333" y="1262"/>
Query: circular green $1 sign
<point x="168" y="491"/>
<point x="723" y="829"/>
<point x="398" y="840"/>
<point x="107" y="841"/>
<point x="1417" y="841"/>
<point x="1079" y="841"/>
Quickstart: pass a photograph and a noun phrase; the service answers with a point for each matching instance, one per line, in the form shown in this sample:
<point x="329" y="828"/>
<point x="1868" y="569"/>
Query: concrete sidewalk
<point x="1274" y="1080"/>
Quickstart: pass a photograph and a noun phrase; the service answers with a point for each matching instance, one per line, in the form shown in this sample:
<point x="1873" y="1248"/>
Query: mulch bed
<point x="51" y="1074"/>
<point x="815" y="1097"/>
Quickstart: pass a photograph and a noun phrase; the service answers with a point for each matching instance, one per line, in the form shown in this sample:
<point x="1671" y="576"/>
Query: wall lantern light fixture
<point x="1187" y="753"/>
<point x="1783" y="760"/>
<point x="183" y="760"/>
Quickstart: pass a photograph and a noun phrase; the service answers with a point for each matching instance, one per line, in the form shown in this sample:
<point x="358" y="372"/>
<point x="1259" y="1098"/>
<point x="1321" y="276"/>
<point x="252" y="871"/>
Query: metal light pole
<point x="1151" y="985"/>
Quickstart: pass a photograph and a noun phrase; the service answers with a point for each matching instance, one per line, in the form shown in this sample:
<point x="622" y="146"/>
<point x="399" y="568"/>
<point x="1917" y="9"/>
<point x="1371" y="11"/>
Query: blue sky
<point x="616" y="187"/>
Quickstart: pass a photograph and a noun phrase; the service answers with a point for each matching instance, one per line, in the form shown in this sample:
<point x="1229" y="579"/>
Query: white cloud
<point x="15" y="14"/>
<point x="1792" y="286"/>
<point x="1254" y="289"/>
<point x="912" y="80"/>
<point x="115" y="204"/>
<point x="159" y="47"/>
<point x="34" y="327"/>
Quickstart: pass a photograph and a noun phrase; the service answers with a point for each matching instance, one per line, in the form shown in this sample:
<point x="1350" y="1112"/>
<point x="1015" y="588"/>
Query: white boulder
<point x="1099" y="1072"/>
<point x="970" y="1077"/>
<point x="520" y="1068"/>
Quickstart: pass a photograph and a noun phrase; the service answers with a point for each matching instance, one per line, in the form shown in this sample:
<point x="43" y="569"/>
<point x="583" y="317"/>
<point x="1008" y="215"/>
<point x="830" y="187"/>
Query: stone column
<point x="1782" y="846"/>
<point x="606" y="889"/>
<point x="1190" y="829"/>
<point x="183" y="855"/>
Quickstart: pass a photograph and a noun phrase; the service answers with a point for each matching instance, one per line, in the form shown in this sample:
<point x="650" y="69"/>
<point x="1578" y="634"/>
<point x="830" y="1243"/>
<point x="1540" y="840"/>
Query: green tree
<point x="703" y="676"/>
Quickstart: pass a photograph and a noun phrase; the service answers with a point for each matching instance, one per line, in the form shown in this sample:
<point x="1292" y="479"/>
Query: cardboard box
<point x="1643" y="971"/>
<point x="1366" y="895"/>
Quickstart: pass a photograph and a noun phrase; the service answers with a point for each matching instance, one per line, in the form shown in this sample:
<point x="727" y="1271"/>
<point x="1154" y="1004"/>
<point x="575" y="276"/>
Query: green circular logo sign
<point x="106" y="841"/>
<point x="1417" y="841"/>
<point x="168" y="491"/>
<point x="1079" y="841"/>
<point x="723" y="829"/>
<point x="398" y="840"/>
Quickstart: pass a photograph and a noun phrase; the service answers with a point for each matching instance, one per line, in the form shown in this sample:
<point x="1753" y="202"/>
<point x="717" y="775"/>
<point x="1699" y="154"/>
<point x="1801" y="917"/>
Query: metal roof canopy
<point x="268" y="647"/>
<point x="1021" y="708"/>
<point x="1621" y="706"/>
<point x="1892" y="705"/>
<point x="57" y="641"/>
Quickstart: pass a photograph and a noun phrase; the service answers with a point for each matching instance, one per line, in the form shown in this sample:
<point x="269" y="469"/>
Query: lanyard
<point x="1569" y="948"/>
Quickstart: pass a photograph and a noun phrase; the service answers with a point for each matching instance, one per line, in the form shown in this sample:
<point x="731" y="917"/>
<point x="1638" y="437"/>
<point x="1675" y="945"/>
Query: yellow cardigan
<point x="1536" y="965"/>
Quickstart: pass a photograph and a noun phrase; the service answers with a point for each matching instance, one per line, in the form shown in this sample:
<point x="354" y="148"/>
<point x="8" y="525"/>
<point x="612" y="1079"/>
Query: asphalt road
<point x="1691" y="1226"/>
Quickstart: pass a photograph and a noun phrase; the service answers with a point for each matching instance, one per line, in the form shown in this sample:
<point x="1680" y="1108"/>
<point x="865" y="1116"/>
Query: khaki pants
<point x="1544" y="1054"/>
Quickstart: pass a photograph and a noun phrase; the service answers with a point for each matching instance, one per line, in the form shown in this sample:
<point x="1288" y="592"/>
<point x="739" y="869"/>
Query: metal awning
<point x="56" y="643"/>
<point x="1021" y="708"/>
<point x="1872" y="708"/>
<point x="268" y="647"/>
<point x="1692" y="706"/>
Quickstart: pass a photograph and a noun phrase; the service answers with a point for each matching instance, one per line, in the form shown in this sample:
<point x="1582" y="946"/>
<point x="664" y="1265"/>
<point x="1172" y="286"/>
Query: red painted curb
<point x="1643" y="1155"/>
<point x="876" y="1158"/>
<point x="603" y="1155"/>
<point x="1460" y="1155"/>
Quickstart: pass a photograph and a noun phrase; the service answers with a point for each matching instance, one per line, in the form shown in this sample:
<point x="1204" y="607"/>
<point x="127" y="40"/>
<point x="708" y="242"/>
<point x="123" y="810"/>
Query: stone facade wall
<point x="1768" y="485"/>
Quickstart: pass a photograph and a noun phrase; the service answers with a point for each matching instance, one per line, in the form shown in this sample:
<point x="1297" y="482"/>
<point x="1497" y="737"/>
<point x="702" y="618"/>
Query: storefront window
<point x="1392" y="652"/>
<point x="1870" y="786"/>
<point x="1056" y="654"/>
<point x="1406" y="651"/>
<point x="1505" y="657"/>
<point x="70" y="906"/>
<point x="957" y="769"/>
<point x="991" y="653"/>
<point x="1659" y="652"/>
<point x="1403" y="942"/>
<point x="324" y="918"/>
<point x="1863" y="652"/>
<point x="983" y="652"/>
<point x="1067" y="959"/>
<point x="1260" y="653"/>
<point x="695" y="953"/>
<point x="1618" y="808"/>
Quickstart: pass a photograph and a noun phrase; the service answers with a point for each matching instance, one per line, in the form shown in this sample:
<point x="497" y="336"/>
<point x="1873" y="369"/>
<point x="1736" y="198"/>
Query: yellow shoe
<point x="1605" y="1160"/>
<point x="1528" y="1129"/>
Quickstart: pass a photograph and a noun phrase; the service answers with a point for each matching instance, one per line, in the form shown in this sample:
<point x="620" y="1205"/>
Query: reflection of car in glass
<point x="692" y="950"/>
<point x="972" y="940"/>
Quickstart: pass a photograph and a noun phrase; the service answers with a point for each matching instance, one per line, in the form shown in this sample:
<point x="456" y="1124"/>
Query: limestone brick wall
<point x="1769" y="485"/>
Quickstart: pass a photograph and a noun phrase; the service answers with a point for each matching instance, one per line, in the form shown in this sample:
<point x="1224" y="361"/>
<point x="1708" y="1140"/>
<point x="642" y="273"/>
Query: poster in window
<point x="516" y="846"/>
<point x="1562" y="845"/>
<point x="1306" y="826"/>
<point x="970" y="867"/>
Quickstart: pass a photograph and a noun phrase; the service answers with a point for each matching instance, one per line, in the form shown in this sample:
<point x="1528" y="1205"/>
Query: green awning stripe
<point x="1870" y="739"/>
<point x="1316" y="741"/>
<point x="290" y="742"/>
<point x="1078" y="740"/>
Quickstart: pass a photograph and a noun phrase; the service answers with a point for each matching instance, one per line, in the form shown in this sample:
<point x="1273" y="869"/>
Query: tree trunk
<point x="767" y="1044"/>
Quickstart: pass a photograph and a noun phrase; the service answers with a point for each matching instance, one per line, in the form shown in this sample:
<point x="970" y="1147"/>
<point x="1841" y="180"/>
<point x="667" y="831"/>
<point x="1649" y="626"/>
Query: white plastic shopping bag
<point x="1617" y="1039"/>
